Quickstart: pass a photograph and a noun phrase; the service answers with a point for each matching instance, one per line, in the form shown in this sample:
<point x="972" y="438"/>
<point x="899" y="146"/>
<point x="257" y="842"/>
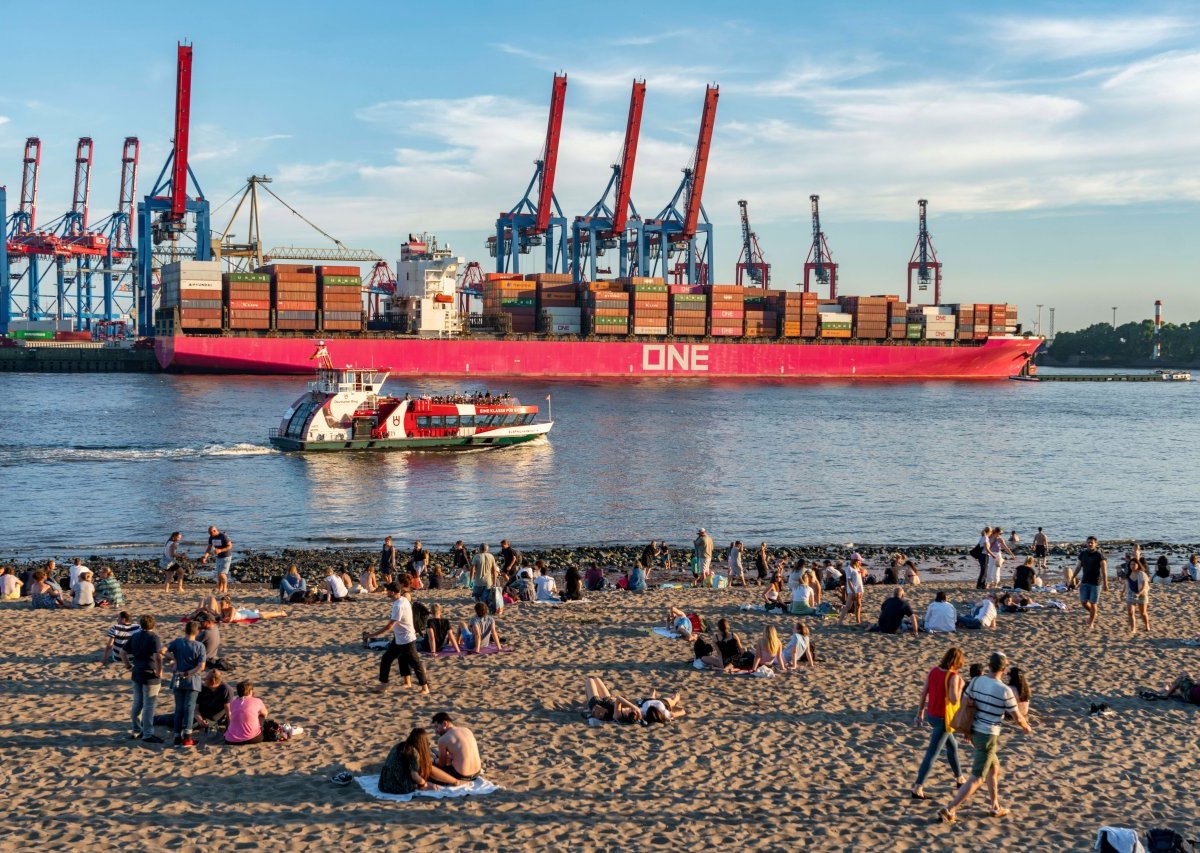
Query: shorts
<point x="450" y="769"/>
<point x="1089" y="593"/>
<point x="987" y="753"/>
<point x="221" y="564"/>
<point x="1039" y="551"/>
<point x="1133" y="598"/>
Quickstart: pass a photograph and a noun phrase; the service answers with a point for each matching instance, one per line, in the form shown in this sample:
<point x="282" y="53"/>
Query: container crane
<point x="619" y="226"/>
<point x="536" y="221"/>
<point x="470" y="287"/>
<point x="675" y="230"/>
<point x="163" y="214"/>
<point x="23" y="242"/>
<point x="751" y="263"/>
<point x="924" y="259"/>
<point x="117" y="273"/>
<point x="819" y="268"/>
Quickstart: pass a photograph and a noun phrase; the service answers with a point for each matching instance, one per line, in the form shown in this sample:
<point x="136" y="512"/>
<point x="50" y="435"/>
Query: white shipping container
<point x="196" y="267"/>
<point x="831" y="317"/>
<point x="191" y="284"/>
<point x="939" y="334"/>
<point x="567" y="329"/>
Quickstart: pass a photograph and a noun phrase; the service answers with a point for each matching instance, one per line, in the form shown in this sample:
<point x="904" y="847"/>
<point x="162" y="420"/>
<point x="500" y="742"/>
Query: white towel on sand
<point x="556" y="601"/>
<point x="480" y="786"/>
<point x="663" y="632"/>
<point x="1124" y="839"/>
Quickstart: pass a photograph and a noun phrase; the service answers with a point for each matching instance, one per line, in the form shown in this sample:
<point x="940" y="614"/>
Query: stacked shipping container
<point x="606" y="309"/>
<point x="340" y="290"/>
<point x="194" y="287"/>
<point x="293" y="296"/>
<point x="688" y="312"/>
<point x="726" y="310"/>
<point x="506" y="294"/>
<point x="761" y="319"/>
<point x="870" y="313"/>
<point x="648" y="306"/>
<point x="797" y="314"/>
<point x="558" y="311"/>
<point x="247" y="300"/>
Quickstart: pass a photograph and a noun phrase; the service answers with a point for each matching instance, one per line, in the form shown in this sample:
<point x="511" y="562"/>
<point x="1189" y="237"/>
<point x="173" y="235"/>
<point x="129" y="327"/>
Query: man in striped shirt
<point x="117" y="636"/>
<point x="992" y="699"/>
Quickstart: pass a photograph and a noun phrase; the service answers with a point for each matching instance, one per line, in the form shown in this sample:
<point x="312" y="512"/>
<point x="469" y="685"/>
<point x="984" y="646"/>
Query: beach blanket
<point x="762" y="672"/>
<point x="556" y="601"/>
<point x="671" y="635"/>
<point x="236" y="620"/>
<point x="448" y="652"/>
<point x="370" y="784"/>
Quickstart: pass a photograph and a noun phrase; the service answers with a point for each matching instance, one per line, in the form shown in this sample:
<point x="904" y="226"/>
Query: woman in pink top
<point x="246" y="715"/>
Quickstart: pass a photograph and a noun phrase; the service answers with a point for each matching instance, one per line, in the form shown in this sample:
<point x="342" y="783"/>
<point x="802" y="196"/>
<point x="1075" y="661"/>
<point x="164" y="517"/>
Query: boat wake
<point x="14" y="455"/>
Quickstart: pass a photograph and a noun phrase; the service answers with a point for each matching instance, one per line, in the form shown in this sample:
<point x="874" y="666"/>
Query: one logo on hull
<point x="667" y="358"/>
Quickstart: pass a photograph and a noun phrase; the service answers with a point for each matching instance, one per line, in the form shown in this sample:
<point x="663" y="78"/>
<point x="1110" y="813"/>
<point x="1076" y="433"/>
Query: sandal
<point x="342" y="778"/>
<point x="914" y="795"/>
<point x="1000" y="811"/>
<point x="946" y="816"/>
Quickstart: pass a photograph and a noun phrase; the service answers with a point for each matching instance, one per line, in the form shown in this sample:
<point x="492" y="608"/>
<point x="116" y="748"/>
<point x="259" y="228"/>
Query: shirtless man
<point x="457" y="751"/>
<point x="1041" y="549"/>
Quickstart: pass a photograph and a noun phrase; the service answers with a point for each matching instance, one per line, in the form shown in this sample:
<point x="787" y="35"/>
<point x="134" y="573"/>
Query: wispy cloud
<point x="1070" y="38"/>
<point x="517" y="50"/>
<point x="4" y="119"/>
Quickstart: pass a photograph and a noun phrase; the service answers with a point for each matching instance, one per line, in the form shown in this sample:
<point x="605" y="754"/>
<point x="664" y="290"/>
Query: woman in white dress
<point x="995" y="551"/>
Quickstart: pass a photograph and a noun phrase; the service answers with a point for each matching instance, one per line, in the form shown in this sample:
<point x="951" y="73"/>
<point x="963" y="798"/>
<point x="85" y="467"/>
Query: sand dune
<point x="822" y="759"/>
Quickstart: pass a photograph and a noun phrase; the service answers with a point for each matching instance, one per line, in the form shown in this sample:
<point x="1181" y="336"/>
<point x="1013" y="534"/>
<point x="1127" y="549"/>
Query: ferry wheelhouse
<point x="344" y="409"/>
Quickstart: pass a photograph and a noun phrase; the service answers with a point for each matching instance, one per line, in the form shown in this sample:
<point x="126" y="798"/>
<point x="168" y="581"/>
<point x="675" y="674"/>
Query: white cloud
<point x="1170" y="79"/>
<point x="1069" y="38"/>
<point x="295" y="174"/>
<point x="4" y="119"/>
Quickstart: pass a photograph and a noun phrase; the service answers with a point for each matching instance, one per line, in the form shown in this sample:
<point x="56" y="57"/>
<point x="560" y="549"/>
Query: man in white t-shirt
<point x="336" y="586"/>
<point x="854" y="591"/>
<point x="984" y="615"/>
<point x="403" y="645"/>
<point x="940" y="615"/>
<point x="992" y="699"/>
<point x="10" y="585"/>
<point x="76" y="570"/>
<point x="547" y="590"/>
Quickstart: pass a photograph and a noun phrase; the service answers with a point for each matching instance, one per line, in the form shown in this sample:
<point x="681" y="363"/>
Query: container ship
<point x="544" y="325"/>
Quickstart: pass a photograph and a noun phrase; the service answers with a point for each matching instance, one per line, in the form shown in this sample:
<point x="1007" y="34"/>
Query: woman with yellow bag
<point x="939" y="701"/>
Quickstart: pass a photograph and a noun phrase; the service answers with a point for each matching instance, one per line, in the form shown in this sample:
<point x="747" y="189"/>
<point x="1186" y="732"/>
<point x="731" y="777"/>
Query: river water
<point x="111" y="464"/>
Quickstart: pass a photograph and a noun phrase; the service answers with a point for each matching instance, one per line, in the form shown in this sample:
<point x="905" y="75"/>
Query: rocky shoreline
<point x="262" y="566"/>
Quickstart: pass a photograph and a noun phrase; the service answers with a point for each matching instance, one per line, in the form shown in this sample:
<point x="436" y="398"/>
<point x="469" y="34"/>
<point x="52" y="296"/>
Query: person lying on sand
<point x="1184" y="687"/>
<point x="608" y="707"/>
<point x="662" y="711"/>
<point x="680" y="623"/>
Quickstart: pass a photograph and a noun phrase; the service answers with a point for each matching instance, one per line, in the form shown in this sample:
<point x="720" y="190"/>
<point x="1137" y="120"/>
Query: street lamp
<point x="1051" y="335"/>
<point x="1114" y="316"/>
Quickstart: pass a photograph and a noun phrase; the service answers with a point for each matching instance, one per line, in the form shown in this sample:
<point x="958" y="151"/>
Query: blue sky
<point x="1056" y="142"/>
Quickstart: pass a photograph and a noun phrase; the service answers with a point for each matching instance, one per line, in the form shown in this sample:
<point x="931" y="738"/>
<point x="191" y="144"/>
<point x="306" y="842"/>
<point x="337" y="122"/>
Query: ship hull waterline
<point x="996" y="358"/>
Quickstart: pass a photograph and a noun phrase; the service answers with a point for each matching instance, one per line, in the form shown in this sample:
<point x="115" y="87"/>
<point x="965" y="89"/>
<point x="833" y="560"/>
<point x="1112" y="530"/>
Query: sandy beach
<point x="822" y="759"/>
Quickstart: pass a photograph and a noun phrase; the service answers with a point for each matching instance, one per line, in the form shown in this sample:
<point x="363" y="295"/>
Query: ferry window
<point x="452" y="421"/>
<point x="437" y="421"/>
<point x="529" y="419"/>
<point x="487" y="420"/>
<point x="467" y="420"/>
<point x="512" y="420"/>
<point x="423" y="422"/>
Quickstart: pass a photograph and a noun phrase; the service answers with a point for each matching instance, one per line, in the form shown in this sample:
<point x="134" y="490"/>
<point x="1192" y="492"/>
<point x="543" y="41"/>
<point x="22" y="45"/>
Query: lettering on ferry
<point x="675" y="357"/>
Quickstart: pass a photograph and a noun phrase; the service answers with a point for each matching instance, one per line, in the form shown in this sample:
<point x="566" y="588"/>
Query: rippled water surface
<point x="119" y="461"/>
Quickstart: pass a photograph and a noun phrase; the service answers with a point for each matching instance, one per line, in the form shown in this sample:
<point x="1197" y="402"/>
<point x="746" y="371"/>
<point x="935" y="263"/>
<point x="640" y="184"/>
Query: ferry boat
<point x="345" y="409"/>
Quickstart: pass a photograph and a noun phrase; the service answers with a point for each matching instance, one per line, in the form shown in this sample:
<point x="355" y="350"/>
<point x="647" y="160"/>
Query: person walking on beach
<point x="188" y="657"/>
<point x="762" y="563"/>
<point x="939" y="700"/>
<point x="980" y="553"/>
<point x="484" y="575"/>
<point x="142" y="655"/>
<point x="702" y="551"/>
<point x="854" y="592"/>
<point x="1041" y="549"/>
<point x="736" y="570"/>
<point x="1137" y="596"/>
<point x="992" y="699"/>
<point x="403" y="644"/>
<point x="172" y="571"/>
<point x="418" y="560"/>
<point x="220" y="548"/>
<point x="1091" y="571"/>
<point x="387" y="560"/>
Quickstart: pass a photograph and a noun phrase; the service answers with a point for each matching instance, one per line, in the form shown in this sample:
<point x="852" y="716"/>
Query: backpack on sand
<point x="420" y="617"/>
<point x="1167" y="841"/>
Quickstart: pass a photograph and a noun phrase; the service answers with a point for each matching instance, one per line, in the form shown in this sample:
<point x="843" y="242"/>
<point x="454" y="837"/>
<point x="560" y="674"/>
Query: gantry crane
<point x="924" y="259"/>
<point x="116" y="230"/>
<point x="536" y="221"/>
<point x="819" y="268"/>
<point x="619" y="226"/>
<point x="687" y="230"/>
<point x="163" y="214"/>
<point x="21" y="242"/>
<point x="751" y="263"/>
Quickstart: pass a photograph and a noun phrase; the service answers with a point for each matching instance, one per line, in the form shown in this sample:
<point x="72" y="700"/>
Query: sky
<point x="1056" y="143"/>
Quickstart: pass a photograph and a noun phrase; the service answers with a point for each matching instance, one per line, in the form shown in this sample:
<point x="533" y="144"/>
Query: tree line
<point x="1128" y="342"/>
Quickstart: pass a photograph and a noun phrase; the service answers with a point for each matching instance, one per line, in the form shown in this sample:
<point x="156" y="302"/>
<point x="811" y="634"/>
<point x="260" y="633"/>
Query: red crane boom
<point x="123" y="234"/>
<point x="558" y="97"/>
<point x="27" y="218"/>
<point x="633" y="128"/>
<point x="77" y="224"/>
<point x="700" y="163"/>
<point x="183" y="111"/>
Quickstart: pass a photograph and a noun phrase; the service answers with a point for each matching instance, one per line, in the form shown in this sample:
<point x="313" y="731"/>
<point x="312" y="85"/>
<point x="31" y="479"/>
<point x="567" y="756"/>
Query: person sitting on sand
<point x="1190" y="571"/>
<point x="521" y="587"/>
<point x="108" y="590"/>
<point x="832" y="578"/>
<point x="894" y="571"/>
<point x="803" y="600"/>
<point x="457" y="751"/>
<point x="574" y="584"/>
<point x="607" y="707"/>
<point x="117" y="636"/>
<point x="773" y="598"/>
<point x="1162" y="569"/>
<point x="679" y="623"/>
<point x="480" y="632"/>
<point x="213" y="703"/>
<point x="594" y="579"/>
<point x="637" y="579"/>
<point x="661" y="711"/>
<point x="940" y="615"/>
<point x="911" y="576"/>
<point x="795" y="578"/>
<point x="892" y="614"/>
<point x="798" y="647"/>
<point x="729" y="651"/>
<point x="44" y="595"/>
<point x="336" y="589"/>
<point x="409" y="767"/>
<point x="1025" y="575"/>
<point x="1020" y="689"/>
<point x="768" y="651"/>
<point x="83" y="592"/>
<point x="368" y="581"/>
<point x="10" y="585"/>
<point x="437" y="633"/>
<point x="984" y="615"/>
<point x="544" y="584"/>
<point x="247" y="713"/>
<point x="293" y="588"/>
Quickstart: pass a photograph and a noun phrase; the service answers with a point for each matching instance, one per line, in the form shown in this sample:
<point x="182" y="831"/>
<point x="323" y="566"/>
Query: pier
<point x="77" y="358"/>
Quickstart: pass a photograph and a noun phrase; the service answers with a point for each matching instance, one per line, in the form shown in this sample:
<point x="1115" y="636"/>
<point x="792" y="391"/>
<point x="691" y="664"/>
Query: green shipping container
<point x="611" y="321"/>
<point x="844" y="327"/>
<point x="913" y="329"/>
<point x="517" y="303"/>
<point x="648" y="288"/>
<point x="341" y="281"/>
<point x="689" y="297"/>
<point x="256" y="277"/>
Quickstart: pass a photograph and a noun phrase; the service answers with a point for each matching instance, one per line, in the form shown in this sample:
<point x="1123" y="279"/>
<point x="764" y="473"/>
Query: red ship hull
<point x="995" y="358"/>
